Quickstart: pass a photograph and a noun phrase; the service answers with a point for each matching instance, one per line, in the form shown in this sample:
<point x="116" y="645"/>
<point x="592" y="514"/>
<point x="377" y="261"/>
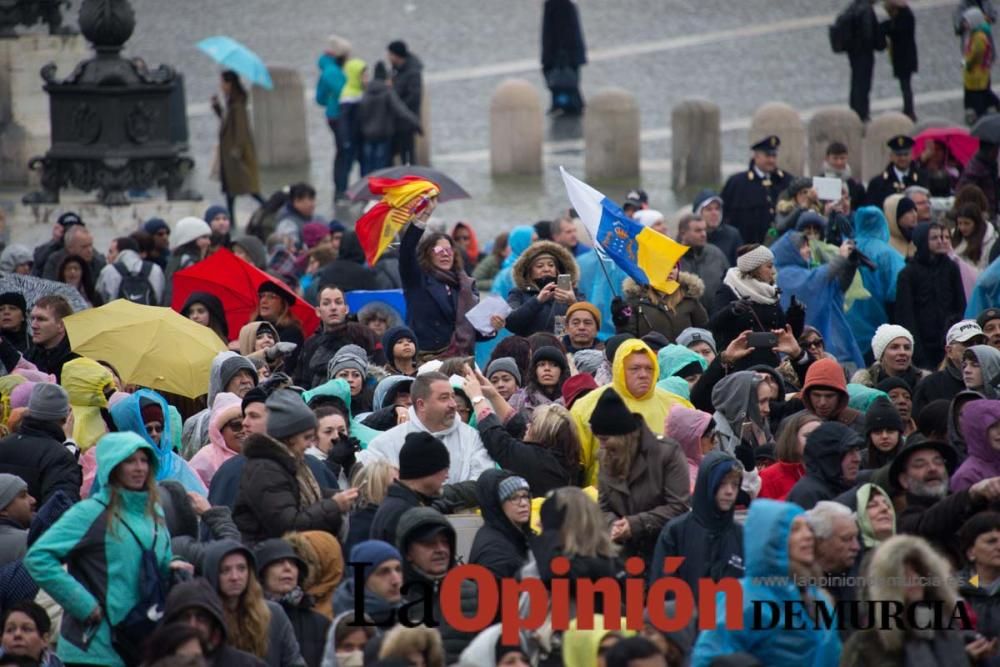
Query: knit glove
<point x="278" y="350"/>
<point x="795" y="316"/>
<point x="744" y="454"/>
<point x="343" y="452"/>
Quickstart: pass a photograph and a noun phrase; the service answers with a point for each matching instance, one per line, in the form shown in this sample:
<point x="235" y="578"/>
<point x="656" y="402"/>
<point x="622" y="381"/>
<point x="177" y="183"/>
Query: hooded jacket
<point x="194" y="435"/>
<point x="381" y="112"/>
<point x="410" y="524"/>
<point x="36" y="454"/>
<point x="267" y="504"/>
<point x="85" y="381"/>
<point x="827" y="374"/>
<point x="766" y="560"/>
<point x="531" y="315"/>
<point x="226" y="407"/>
<point x="872" y="238"/>
<point x="653" y="406"/>
<point x="499" y="545"/>
<point x="338" y="388"/>
<point x="109" y="280"/>
<point x="282" y="646"/>
<point x="900" y="242"/>
<point x="13" y="256"/>
<point x="686" y="426"/>
<point x="217" y="315"/>
<point x="331" y="83"/>
<point x="825" y="449"/>
<point x="929" y="299"/>
<point x="102" y="559"/>
<point x="248" y="336"/>
<point x="648" y="316"/>
<point x="127" y="415"/>
<point x="989" y="364"/>
<point x="710" y="541"/>
<point x="983" y="460"/>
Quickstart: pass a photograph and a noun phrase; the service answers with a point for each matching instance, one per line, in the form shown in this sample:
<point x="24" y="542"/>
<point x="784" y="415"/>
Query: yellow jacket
<point x="976" y="75"/>
<point x="653" y="406"/>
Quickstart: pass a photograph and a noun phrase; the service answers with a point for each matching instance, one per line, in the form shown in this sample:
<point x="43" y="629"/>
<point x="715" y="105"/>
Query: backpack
<point x="842" y="30"/>
<point x="135" y="287"/>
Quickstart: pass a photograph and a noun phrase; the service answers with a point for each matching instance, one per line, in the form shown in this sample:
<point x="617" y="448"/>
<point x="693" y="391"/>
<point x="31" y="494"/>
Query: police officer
<point x="900" y="174"/>
<point x="750" y="196"/>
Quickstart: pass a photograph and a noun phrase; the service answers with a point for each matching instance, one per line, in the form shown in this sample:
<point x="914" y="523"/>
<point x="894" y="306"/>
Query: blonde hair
<point x="552" y="425"/>
<point x="401" y="642"/>
<point x="372" y="481"/>
<point x="584" y="531"/>
<point x="247" y="625"/>
<point x="152" y="497"/>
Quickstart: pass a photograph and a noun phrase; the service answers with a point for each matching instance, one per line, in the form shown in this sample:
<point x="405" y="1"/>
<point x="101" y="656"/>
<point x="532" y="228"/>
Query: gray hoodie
<point x="989" y="363"/>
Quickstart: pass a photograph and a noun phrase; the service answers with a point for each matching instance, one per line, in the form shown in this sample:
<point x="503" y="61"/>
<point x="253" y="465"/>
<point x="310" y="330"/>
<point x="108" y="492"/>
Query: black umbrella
<point x="987" y="128"/>
<point x="449" y="188"/>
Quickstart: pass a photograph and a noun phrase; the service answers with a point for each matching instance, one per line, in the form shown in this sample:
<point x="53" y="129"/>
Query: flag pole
<point x="600" y="262"/>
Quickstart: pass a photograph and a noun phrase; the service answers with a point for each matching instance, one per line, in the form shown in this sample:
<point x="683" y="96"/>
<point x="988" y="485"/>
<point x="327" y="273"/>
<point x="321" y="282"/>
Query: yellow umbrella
<point x="150" y="346"/>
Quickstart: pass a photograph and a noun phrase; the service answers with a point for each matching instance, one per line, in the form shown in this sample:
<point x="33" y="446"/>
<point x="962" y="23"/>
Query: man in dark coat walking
<point x="900" y="33"/>
<point x="929" y="295"/>
<point x="864" y="40"/>
<point x="898" y="175"/>
<point x="563" y="53"/>
<point x="749" y="197"/>
<point x="408" y="84"/>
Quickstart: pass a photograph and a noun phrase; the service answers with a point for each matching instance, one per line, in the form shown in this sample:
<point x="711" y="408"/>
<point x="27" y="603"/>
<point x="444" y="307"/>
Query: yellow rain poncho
<point x="580" y="647"/>
<point x="85" y="381"/>
<point x="653" y="406"/>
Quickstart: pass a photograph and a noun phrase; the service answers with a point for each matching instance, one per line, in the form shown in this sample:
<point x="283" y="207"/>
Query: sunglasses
<point x="442" y="250"/>
<point x="234" y="425"/>
<point x="815" y="342"/>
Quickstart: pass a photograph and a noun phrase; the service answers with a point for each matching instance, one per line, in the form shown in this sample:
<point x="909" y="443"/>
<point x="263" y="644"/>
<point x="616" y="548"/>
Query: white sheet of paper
<point x="827" y="189"/>
<point x="488" y="306"/>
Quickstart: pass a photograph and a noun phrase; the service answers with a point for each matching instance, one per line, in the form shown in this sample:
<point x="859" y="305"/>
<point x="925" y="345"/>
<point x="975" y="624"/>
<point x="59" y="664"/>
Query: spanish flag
<point x="400" y="198"/>
<point x="645" y="255"/>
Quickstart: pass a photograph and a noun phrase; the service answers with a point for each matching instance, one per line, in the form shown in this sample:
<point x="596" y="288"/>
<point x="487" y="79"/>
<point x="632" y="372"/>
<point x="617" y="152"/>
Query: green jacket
<point x="102" y="560"/>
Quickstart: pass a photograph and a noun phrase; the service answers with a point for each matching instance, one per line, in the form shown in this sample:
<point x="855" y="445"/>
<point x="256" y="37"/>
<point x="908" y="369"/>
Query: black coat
<point x="727" y="239"/>
<point x="360" y="526"/>
<point x="267" y="504"/>
<point x="36" y="454"/>
<point x="499" y="545"/>
<point x="51" y="360"/>
<point x="929" y="299"/>
<point x="936" y="519"/>
<point x="544" y="469"/>
<point x="321" y="347"/>
<point x="823" y="479"/>
<point x="398" y="499"/>
<point x="562" y="37"/>
<point x="310" y="630"/>
<point x="749" y="202"/>
<point x="940" y="384"/>
<point x="727" y="324"/>
<point x="886" y="184"/>
<point x="900" y="30"/>
<point x="407" y="82"/>
<point x="710" y="541"/>
<point x="382" y="111"/>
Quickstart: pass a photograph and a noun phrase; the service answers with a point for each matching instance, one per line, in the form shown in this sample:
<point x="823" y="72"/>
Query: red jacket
<point x="777" y="479"/>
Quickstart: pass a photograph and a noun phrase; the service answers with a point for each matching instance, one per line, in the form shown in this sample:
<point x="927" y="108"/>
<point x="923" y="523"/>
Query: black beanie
<point x="14" y="299"/>
<point x="890" y="383"/>
<point x="904" y="206"/>
<point x="612" y="344"/>
<point x="611" y="416"/>
<point x="933" y="418"/>
<point x="422" y="455"/>
<point x="882" y="414"/>
<point x="549" y="353"/>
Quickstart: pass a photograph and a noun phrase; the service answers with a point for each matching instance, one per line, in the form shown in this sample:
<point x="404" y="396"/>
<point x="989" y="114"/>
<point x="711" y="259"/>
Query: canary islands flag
<point x="645" y="255"/>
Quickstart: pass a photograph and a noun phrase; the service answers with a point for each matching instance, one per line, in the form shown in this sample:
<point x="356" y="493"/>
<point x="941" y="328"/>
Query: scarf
<point x="843" y="174"/>
<point x="309" y="493"/>
<point x="293" y="598"/>
<point x="750" y="288"/>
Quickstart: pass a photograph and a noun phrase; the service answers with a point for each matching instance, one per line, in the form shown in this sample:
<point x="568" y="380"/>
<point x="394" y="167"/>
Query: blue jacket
<point x="986" y="293"/>
<point x="127" y="415"/>
<point x="331" y="82"/>
<point x="872" y="237"/>
<point x="104" y="556"/>
<point x="766" y="555"/>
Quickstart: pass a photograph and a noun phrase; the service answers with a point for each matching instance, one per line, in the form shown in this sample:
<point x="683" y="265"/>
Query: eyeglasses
<point x="523" y="497"/>
<point x="235" y="425"/>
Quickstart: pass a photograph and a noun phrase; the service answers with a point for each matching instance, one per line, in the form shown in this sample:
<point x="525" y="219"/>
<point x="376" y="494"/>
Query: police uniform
<point x="888" y="182"/>
<point x="749" y="197"/>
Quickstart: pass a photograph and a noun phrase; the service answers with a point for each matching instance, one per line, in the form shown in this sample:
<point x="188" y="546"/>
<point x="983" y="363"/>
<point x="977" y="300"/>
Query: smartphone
<point x="563" y="282"/>
<point x="764" y="339"/>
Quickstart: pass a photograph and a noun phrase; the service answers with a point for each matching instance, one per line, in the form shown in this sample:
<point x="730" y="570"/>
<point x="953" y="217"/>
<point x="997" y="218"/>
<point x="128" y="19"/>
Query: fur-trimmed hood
<point x="691" y="285"/>
<point x="260" y="446"/>
<point x="564" y="259"/>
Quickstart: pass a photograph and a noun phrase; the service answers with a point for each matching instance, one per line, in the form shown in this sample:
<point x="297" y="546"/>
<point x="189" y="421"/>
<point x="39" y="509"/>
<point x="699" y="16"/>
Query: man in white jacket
<point x="434" y="411"/>
<point x="125" y="251"/>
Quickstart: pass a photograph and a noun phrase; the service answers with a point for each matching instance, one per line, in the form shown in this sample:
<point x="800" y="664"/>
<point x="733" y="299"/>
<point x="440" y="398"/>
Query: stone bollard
<point x="932" y="122"/>
<point x="279" y="120"/>
<point x="780" y="119"/>
<point x="882" y="128"/>
<point x="422" y="142"/>
<point x="516" y="129"/>
<point x="611" y="136"/>
<point x="696" y="145"/>
<point x="835" y="124"/>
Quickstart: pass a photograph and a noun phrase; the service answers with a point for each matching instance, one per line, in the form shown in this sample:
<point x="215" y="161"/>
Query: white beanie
<point x="751" y="261"/>
<point x="648" y="217"/>
<point x="884" y="335"/>
<point x="187" y="230"/>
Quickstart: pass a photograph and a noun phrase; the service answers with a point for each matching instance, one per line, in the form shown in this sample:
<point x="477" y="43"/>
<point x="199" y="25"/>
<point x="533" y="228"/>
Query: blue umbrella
<point x="231" y="54"/>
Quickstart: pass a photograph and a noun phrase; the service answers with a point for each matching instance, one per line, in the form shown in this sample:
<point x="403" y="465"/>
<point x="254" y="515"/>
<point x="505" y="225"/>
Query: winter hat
<point x="288" y="415"/>
<point x="693" y="335"/>
<point x="313" y="233"/>
<point x="612" y="344"/>
<point x="987" y="315"/>
<point x="21" y="394"/>
<point x="373" y="553"/>
<point x="16" y="299"/>
<point x="393" y="335"/>
<point x="585" y="306"/>
<point x="151" y="411"/>
<point x="703" y="199"/>
<point x="348" y="357"/>
<point x="798" y="185"/>
<point x="422" y="455"/>
<point x="810" y="219"/>
<point x="337" y="46"/>
<point x="904" y="206"/>
<point x="891" y="383"/>
<point x="933" y="417"/>
<point x="398" y="48"/>
<point x="12" y="485"/>
<point x="766" y="452"/>
<point x="233" y="365"/>
<point x="611" y="416"/>
<point x="431" y="366"/>
<point x="154" y="225"/>
<point x="213" y="211"/>
<point x="576" y="387"/>
<point x="48" y="402"/>
<point x="69" y="218"/>
<point x="188" y="229"/>
<point x="549" y="353"/>
<point x="885" y="334"/>
<point x="648" y="217"/>
<point x="271" y="287"/>
<point x="655" y="340"/>
<point x="273" y="550"/>
<point x="255" y="395"/>
<point x="510" y="486"/>
<point x="507" y="365"/>
<point x="882" y="414"/>
<point x="750" y="261"/>
<point x="588" y="361"/>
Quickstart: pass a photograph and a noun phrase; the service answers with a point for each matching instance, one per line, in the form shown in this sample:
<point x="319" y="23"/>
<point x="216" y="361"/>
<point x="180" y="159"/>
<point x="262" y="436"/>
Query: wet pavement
<point x="738" y="54"/>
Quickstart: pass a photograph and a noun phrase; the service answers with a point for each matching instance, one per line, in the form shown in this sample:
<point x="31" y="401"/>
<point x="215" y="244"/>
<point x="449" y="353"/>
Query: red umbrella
<point x="958" y="141"/>
<point x="235" y="283"/>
